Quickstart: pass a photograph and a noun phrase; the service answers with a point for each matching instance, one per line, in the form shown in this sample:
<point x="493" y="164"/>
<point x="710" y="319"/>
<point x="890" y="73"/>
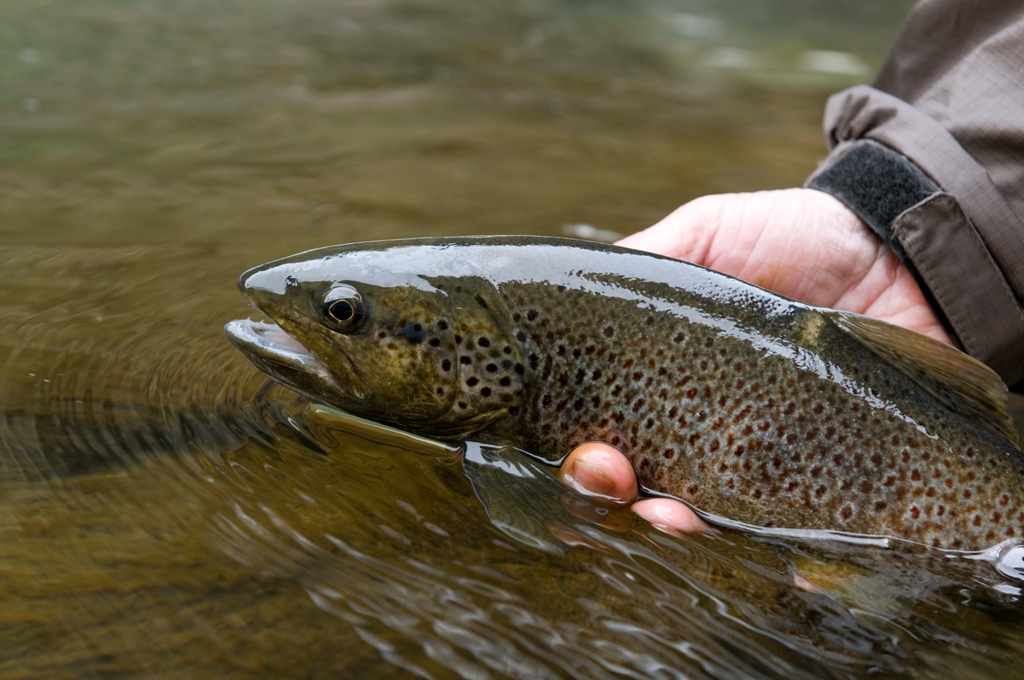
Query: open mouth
<point x="282" y="357"/>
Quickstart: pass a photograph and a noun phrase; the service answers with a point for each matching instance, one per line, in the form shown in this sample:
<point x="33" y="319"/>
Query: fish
<point x="746" y="405"/>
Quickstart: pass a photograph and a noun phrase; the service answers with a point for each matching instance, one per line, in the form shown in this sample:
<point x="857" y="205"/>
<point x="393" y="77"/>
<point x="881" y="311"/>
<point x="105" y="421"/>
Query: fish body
<point x="747" y="405"/>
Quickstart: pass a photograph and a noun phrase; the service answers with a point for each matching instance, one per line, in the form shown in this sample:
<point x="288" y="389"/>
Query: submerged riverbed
<point x="164" y="511"/>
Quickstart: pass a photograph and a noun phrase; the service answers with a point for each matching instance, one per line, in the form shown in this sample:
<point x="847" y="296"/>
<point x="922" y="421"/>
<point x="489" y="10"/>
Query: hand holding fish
<point x="801" y="243"/>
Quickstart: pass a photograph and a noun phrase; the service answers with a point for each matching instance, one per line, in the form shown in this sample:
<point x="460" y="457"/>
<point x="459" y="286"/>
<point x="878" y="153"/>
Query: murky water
<point x="165" y="512"/>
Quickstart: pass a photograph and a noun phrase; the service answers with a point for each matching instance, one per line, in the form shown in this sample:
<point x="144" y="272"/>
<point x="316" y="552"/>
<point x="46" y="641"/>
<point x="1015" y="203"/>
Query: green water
<point x="163" y="514"/>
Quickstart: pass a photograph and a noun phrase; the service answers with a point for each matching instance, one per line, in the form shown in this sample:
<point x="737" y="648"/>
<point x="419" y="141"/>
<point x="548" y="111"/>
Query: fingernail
<point x="591" y="478"/>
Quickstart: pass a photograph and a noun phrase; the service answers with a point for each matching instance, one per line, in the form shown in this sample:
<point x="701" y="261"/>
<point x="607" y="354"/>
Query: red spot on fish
<point x="914" y="512"/>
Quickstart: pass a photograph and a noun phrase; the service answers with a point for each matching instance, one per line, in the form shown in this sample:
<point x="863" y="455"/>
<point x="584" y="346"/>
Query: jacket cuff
<point x="909" y="179"/>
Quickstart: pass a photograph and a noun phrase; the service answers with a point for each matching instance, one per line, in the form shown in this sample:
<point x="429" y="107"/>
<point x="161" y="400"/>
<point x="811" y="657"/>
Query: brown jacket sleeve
<point x="932" y="158"/>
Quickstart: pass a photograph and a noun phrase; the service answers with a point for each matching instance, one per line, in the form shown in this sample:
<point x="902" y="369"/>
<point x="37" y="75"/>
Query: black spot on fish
<point x="480" y="301"/>
<point x="483" y="342"/>
<point x="505" y="381"/>
<point x="472" y="381"/>
<point x="485" y="392"/>
<point x="521" y="336"/>
<point x="519" y="369"/>
<point x="458" y="339"/>
<point x="609" y="331"/>
<point x="464" y="360"/>
<point x="513" y="410"/>
<point x="532" y="314"/>
<point x="446" y="365"/>
<point x="463" y="405"/>
<point x="442" y="324"/>
<point x="492" y="368"/>
<point x="435" y="342"/>
<point x="534" y="362"/>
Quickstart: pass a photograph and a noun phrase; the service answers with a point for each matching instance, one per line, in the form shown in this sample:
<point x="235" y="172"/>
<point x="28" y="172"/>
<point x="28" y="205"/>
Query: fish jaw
<point x="288" y="361"/>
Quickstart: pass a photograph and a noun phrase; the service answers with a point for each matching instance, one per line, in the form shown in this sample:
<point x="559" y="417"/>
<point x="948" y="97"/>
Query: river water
<point x="166" y="512"/>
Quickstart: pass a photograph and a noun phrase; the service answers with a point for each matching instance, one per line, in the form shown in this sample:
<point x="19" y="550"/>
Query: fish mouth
<point x="284" y="358"/>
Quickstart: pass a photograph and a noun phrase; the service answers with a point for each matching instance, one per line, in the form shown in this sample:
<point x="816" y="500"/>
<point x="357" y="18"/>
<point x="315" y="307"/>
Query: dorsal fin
<point x="958" y="381"/>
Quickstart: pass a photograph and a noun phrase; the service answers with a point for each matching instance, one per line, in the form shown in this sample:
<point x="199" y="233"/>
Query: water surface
<point x="166" y="512"/>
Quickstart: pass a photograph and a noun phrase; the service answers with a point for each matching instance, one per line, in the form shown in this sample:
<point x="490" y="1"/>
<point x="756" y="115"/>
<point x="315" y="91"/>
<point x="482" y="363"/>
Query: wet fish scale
<point x="747" y="405"/>
<point x="706" y="418"/>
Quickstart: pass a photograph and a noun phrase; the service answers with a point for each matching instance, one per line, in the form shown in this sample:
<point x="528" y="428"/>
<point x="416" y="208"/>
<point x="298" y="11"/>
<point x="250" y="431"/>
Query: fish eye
<point x="343" y="306"/>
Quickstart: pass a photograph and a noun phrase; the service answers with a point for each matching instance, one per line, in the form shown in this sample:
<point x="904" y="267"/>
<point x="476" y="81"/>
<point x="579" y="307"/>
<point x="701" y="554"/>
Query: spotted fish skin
<point x="714" y="420"/>
<point x="745" y="404"/>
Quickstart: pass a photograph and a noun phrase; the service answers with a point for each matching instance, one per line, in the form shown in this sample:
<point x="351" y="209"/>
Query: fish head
<point x="387" y="335"/>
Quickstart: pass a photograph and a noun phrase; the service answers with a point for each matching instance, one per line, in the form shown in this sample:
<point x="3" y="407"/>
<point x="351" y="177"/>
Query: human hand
<point x="801" y="243"/>
<point x="602" y="472"/>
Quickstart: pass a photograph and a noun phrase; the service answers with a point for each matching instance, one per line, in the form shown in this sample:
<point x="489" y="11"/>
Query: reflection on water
<point x="165" y="511"/>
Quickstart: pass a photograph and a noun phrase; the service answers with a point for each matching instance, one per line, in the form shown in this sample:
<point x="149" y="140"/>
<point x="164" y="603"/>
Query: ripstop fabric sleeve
<point x="932" y="158"/>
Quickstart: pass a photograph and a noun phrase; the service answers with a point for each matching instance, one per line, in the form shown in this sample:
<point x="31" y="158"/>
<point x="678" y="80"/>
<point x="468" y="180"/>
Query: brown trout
<point x="744" y="404"/>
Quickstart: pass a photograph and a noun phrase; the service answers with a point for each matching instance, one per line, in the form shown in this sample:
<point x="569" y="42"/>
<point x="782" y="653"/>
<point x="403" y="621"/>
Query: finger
<point x="600" y="471"/>
<point x="687" y="233"/>
<point x="670" y="516"/>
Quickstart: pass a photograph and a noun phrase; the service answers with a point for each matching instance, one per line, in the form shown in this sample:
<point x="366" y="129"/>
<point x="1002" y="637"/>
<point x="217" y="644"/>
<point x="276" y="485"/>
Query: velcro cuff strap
<point x="877" y="183"/>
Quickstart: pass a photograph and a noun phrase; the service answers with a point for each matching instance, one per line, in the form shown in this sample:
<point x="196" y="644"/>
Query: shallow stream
<point x="165" y="512"/>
